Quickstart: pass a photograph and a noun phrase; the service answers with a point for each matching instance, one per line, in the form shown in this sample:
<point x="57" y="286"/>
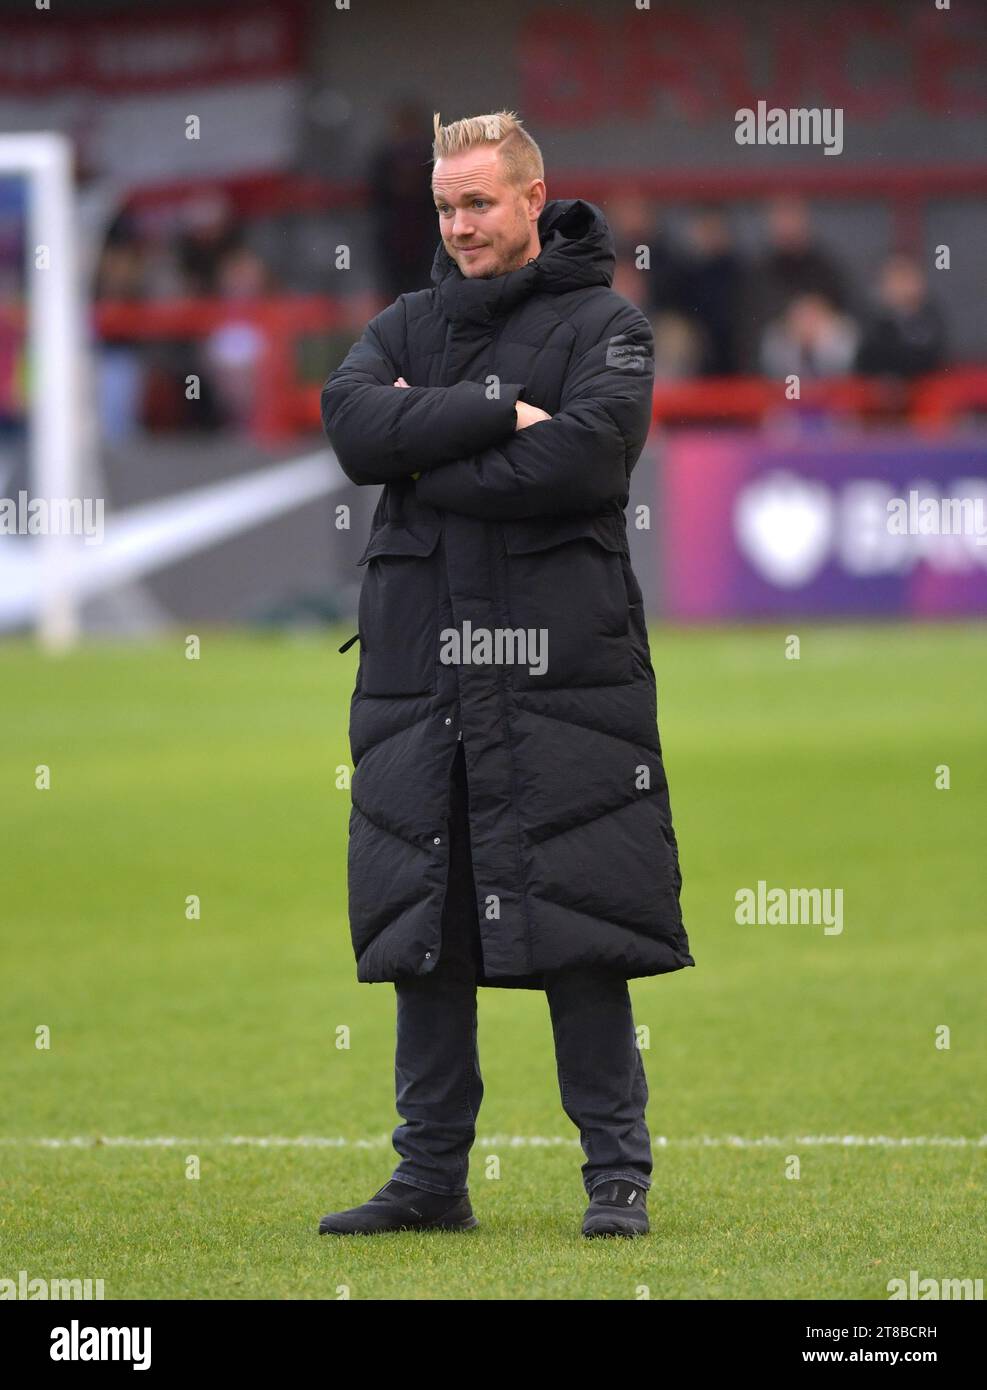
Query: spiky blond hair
<point x="520" y="157"/>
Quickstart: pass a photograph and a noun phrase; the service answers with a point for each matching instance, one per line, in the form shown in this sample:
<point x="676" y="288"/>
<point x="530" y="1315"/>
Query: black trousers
<point x="438" y="1084"/>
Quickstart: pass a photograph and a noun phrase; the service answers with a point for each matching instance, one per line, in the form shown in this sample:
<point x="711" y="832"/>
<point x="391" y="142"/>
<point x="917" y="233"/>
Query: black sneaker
<point x="400" y="1207"/>
<point x="617" y="1208"/>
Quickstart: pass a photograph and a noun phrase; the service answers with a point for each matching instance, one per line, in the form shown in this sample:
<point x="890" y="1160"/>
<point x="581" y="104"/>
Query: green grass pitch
<point x="218" y="777"/>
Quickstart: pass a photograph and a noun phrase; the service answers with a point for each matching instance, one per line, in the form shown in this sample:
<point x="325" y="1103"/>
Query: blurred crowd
<point x="791" y="309"/>
<point x="780" y="302"/>
<point x="206" y="255"/>
<point x="716" y="311"/>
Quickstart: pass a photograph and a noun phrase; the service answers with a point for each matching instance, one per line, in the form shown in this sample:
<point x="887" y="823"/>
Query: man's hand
<point x="528" y="415"/>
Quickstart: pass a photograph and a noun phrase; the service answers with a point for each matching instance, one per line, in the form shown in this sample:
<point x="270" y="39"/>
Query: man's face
<point x="487" y="225"/>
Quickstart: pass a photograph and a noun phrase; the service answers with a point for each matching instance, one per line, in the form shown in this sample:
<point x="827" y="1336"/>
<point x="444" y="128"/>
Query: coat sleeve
<point x="381" y="432"/>
<point x="578" y="461"/>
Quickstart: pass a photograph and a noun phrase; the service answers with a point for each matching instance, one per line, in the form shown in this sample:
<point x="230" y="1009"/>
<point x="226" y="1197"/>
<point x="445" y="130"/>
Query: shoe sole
<point x="466" y="1224"/>
<point x="606" y="1228"/>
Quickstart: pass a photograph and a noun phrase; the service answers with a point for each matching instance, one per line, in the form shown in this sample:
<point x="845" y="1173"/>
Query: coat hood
<point x="577" y="251"/>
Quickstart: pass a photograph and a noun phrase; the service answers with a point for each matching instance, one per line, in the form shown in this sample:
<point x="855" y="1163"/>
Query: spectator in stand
<point x="710" y="287"/>
<point x="119" y="357"/>
<point x="793" y="266"/>
<point x="906" y="335"/>
<point x="678" y="347"/>
<point x="406" y="225"/>
<point x="812" y="338"/>
<point x="631" y="225"/>
<point x="211" y="232"/>
<point x="655" y="286"/>
<point x="233" y="352"/>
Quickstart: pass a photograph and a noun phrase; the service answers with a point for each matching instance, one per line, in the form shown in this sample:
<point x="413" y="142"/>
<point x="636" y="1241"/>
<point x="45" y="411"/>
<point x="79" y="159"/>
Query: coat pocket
<point x="398" y="609"/>
<point x="566" y="581"/>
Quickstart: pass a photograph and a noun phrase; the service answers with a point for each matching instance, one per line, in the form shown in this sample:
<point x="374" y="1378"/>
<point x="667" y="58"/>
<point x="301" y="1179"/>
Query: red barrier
<point x="285" y="406"/>
<point x="280" y="401"/>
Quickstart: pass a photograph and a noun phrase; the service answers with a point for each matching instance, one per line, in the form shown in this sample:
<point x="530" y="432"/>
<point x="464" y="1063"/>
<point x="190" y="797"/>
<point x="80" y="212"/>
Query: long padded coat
<point x="574" y="857"/>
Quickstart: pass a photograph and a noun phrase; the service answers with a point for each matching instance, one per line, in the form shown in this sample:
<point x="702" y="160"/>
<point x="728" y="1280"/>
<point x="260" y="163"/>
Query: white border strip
<point x="498" y="1141"/>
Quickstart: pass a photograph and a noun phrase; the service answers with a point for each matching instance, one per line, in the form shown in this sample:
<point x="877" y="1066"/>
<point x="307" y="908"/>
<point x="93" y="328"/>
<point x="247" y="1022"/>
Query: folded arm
<point x="578" y="461"/>
<point x="381" y="434"/>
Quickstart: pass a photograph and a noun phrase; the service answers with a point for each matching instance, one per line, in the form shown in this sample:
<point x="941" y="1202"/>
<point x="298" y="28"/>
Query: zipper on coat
<point x="445" y="353"/>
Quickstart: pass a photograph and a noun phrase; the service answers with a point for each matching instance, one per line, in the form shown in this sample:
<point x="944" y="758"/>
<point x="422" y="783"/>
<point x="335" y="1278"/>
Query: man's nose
<point x="462" y="226"/>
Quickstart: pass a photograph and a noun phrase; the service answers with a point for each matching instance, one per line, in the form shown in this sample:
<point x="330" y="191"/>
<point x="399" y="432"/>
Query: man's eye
<point x="478" y="200"/>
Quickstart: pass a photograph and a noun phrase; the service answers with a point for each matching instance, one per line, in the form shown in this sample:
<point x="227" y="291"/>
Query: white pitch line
<point x="496" y="1141"/>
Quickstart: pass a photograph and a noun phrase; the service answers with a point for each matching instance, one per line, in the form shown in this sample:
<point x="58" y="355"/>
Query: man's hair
<point x="520" y="157"/>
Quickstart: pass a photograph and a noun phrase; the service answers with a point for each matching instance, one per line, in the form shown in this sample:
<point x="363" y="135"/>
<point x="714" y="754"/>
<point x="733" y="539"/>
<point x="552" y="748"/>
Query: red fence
<point x="285" y="405"/>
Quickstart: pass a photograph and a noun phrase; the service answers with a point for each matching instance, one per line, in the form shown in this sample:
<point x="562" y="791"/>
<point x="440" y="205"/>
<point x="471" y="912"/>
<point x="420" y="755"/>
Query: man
<point x="401" y="204"/>
<point x="510" y="824"/>
<point x="905" y="335"/>
<point x="794" y="266"/>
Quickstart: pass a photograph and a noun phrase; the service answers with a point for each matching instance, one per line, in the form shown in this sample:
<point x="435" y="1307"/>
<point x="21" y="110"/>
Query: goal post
<point x="56" y="344"/>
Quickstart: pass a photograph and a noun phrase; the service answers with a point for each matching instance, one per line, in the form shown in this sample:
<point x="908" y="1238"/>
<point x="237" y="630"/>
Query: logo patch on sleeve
<point x="627" y="356"/>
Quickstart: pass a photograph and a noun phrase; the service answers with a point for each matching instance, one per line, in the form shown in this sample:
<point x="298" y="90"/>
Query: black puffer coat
<point x="574" y="856"/>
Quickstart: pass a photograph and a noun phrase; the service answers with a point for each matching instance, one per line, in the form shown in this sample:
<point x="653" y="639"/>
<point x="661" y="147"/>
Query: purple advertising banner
<point x="875" y="523"/>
